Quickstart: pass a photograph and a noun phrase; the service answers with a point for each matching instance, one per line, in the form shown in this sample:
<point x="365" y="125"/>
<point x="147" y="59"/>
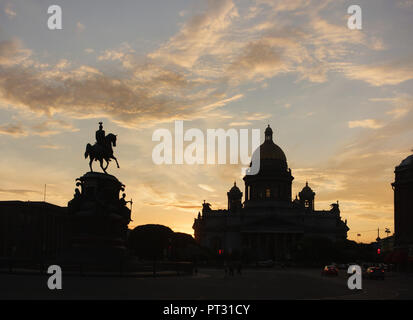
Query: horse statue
<point x="102" y="150"/>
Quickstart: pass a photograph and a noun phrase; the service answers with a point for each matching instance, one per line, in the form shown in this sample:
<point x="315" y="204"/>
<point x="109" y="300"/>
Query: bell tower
<point x="234" y="199"/>
<point x="307" y="197"/>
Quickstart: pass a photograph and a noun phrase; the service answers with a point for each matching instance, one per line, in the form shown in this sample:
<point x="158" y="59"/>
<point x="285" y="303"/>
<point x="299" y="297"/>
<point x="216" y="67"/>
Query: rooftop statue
<point x="102" y="149"/>
<point x="206" y="206"/>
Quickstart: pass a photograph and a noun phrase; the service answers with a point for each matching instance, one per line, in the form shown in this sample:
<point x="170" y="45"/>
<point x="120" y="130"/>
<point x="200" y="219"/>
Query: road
<point x="265" y="284"/>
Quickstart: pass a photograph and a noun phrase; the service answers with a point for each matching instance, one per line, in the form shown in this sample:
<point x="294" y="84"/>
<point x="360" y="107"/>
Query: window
<point x="307" y="203"/>
<point x="268" y="193"/>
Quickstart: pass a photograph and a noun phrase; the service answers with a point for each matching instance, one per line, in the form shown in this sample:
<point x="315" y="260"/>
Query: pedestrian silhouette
<point x="231" y="268"/>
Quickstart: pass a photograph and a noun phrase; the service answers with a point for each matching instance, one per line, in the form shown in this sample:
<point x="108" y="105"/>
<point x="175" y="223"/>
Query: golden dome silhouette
<point x="269" y="150"/>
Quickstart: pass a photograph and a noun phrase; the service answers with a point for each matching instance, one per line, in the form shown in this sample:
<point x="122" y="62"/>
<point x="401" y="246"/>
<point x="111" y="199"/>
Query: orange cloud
<point x="367" y="123"/>
<point x="15" y="130"/>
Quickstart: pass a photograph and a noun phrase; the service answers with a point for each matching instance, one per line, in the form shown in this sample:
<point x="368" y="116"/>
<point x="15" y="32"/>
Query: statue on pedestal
<point x="100" y="217"/>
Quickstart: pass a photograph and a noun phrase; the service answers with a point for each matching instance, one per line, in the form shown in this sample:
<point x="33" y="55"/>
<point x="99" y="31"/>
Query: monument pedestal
<point x="100" y="219"/>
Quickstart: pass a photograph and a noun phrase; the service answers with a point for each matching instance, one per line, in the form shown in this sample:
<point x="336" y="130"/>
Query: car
<point x="265" y="264"/>
<point x="386" y="267"/>
<point x="366" y="265"/>
<point x="330" y="270"/>
<point x="375" y="273"/>
<point x="342" y="266"/>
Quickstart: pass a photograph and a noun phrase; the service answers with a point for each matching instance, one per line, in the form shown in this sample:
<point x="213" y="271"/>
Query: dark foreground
<point x="209" y="284"/>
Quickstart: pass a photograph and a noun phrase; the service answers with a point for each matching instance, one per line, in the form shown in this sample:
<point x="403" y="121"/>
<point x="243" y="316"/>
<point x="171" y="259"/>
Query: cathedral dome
<point x="270" y="182"/>
<point x="270" y="152"/>
<point x="407" y="162"/>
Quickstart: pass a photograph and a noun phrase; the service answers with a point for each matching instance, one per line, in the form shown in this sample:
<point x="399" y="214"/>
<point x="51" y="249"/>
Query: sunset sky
<point x="340" y="101"/>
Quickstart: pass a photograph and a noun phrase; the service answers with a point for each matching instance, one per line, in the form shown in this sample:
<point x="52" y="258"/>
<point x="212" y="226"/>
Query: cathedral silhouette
<point x="268" y="224"/>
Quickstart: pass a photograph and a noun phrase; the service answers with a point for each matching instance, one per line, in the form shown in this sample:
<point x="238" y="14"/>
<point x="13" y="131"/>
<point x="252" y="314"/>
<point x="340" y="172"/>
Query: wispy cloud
<point x="52" y="127"/>
<point x="256" y="116"/>
<point x="392" y="73"/>
<point x="45" y="128"/>
<point x="398" y="112"/>
<point x="405" y="3"/>
<point x="197" y="70"/>
<point x="153" y="95"/>
<point x="50" y="146"/>
<point x="199" y="36"/>
<point x="13" y="129"/>
<point x="8" y="10"/>
<point x="206" y="187"/>
<point x="366" y="123"/>
<point x="20" y="192"/>
<point x="239" y="124"/>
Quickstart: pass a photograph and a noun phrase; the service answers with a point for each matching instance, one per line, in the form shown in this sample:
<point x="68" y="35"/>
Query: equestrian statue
<point x="102" y="149"/>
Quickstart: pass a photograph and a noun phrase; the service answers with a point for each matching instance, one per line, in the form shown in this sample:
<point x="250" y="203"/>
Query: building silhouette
<point x="403" y="213"/>
<point x="33" y="230"/>
<point x="268" y="224"/>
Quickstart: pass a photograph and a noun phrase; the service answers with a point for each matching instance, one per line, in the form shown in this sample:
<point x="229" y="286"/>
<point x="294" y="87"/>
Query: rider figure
<point x="102" y="149"/>
<point x="100" y="136"/>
